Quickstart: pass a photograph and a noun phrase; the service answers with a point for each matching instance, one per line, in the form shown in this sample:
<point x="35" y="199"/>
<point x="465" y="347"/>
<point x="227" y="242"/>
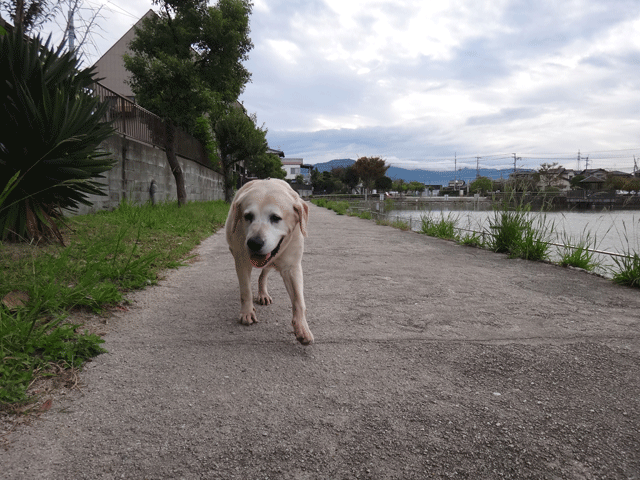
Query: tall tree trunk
<point x="176" y="169"/>
<point x="227" y="173"/>
<point x="18" y="21"/>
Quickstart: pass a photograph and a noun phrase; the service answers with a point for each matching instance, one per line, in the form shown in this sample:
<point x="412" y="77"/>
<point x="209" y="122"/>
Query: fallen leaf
<point x="46" y="405"/>
<point x="15" y="299"/>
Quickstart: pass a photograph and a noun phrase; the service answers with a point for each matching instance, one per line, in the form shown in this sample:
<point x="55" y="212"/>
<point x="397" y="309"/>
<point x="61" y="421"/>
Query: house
<point x="110" y="66"/>
<point x="558" y="177"/>
<point x="295" y="167"/>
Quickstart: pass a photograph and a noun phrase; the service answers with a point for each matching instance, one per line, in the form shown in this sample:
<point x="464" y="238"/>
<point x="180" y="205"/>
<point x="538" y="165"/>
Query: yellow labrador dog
<point x="265" y="228"/>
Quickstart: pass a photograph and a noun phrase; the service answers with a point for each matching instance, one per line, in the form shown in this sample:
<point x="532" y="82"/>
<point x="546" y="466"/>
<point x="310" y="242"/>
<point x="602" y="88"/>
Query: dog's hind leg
<point x="263" y="294"/>
<point x="293" y="281"/>
<point x="247" y="310"/>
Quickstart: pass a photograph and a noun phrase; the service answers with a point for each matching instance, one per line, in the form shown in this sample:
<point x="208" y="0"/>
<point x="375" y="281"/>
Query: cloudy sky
<point x="418" y="82"/>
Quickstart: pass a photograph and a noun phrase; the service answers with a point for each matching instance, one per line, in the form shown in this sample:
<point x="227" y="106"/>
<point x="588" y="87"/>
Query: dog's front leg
<point x="263" y="294"/>
<point x="293" y="282"/>
<point x="247" y="310"/>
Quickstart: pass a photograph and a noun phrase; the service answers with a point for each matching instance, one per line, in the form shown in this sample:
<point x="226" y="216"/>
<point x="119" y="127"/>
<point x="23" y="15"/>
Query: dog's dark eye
<point x="275" y="218"/>
<point x="248" y="217"/>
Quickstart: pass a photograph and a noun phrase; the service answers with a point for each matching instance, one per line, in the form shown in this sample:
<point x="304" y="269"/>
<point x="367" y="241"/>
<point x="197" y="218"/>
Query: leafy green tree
<point x="481" y="185"/>
<point x="416" y="187"/>
<point x="369" y="169"/>
<point x="384" y="184"/>
<point x="50" y="130"/>
<point x="400" y="186"/>
<point x="238" y="139"/>
<point x="266" y="165"/>
<point x="632" y="185"/>
<point x="186" y="61"/>
<point x="575" y="181"/>
<point x="615" y="182"/>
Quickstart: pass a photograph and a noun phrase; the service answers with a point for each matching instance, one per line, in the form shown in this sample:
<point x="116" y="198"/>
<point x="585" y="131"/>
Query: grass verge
<point x="107" y="254"/>
<point x="514" y="230"/>
<point x="339" y="207"/>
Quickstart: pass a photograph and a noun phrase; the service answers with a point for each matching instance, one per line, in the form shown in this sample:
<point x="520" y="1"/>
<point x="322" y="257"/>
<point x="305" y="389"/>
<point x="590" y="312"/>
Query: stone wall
<point x="138" y="164"/>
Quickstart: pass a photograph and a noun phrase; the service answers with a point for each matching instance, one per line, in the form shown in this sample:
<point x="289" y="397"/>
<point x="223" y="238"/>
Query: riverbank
<point x="431" y="360"/>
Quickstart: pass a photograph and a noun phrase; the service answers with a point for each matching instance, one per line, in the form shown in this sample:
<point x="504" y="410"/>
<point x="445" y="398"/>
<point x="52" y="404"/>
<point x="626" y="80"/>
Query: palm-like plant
<point x="50" y="129"/>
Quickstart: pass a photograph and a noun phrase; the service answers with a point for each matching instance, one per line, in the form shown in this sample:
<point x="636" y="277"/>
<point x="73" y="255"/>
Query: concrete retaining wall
<point x="138" y="164"/>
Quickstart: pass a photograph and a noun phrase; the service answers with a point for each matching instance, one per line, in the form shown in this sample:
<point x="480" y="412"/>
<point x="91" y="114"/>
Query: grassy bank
<point x="515" y="231"/>
<point x="105" y="255"/>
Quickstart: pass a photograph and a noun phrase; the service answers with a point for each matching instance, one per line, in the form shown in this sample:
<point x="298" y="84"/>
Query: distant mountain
<point x="330" y="165"/>
<point x="428" y="177"/>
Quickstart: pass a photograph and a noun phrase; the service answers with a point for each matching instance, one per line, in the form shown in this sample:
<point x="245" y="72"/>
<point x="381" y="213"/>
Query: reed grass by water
<point x="522" y="233"/>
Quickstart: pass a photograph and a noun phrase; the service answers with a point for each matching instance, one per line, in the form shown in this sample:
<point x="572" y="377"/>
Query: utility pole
<point x="455" y="170"/>
<point x="586" y="163"/>
<point x="515" y="163"/>
<point x="71" y="31"/>
<point x="578" y="160"/>
<point x="478" y="167"/>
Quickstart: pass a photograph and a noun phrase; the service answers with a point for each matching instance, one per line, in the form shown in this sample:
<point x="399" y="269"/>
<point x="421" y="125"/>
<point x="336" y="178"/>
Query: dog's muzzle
<point x="255" y="244"/>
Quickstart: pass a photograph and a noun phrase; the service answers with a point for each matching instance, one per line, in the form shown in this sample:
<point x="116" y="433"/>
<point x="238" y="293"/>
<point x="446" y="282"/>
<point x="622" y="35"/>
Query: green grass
<point x="364" y="214"/>
<point x="519" y="234"/>
<point x="399" y="224"/>
<point x="443" y="227"/>
<point x="516" y="231"/>
<point x="106" y="255"/>
<point x="627" y="271"/>
<point x="339" y="207"/>
<point x="578" y="252"/>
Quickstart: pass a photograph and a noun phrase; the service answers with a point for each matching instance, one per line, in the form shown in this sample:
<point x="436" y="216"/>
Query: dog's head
<point x="268" y="212"/>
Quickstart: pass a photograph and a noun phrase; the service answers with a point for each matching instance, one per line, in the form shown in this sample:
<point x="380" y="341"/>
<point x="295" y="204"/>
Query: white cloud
<point x="417" y="81"/>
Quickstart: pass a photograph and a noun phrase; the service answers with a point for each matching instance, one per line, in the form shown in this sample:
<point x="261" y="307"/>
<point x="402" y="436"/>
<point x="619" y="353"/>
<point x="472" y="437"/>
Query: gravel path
<point x="432" y="360"/>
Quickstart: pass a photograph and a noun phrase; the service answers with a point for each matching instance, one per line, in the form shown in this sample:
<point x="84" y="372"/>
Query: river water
<point x="608" y="231"/>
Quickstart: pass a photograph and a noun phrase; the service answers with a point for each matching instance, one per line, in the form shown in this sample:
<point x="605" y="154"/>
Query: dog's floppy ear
<point x="236" y="213"/>
<point x="302" y="209"/>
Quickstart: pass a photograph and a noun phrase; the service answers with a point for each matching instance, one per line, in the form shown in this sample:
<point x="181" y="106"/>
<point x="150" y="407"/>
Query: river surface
<point x="608" y="231"/>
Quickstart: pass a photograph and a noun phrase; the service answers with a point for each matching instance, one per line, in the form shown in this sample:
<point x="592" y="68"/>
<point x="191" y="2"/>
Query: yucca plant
<point x="50" y="129"/>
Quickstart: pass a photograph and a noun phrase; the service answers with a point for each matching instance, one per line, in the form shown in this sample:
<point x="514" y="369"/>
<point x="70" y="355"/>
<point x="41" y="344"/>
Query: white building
<point x="294" y="167"/>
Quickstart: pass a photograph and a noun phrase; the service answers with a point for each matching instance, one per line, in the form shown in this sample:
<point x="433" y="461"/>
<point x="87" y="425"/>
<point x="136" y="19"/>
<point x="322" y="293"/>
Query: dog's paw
<point x="264" y="299"/>
<point x="248" y="318"/>
<point x="303" y="335"/>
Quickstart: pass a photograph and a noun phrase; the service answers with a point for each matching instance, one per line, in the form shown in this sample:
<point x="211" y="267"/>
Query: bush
<point x="50" y="127"/>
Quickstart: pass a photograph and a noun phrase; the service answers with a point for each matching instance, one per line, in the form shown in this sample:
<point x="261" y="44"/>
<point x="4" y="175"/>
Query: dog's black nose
<point x="255" y="244"/>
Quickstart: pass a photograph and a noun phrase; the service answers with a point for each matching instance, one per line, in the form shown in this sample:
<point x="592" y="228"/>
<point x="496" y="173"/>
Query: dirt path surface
<point x="432" y="360"/>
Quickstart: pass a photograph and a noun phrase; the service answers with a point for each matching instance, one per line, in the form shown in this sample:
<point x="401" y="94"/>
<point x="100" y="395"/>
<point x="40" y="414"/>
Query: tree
<point x="632" y="185"/>
<point x="187" y="61"/>
<point x="266" y="165"/>
<point x="84" y="19"/>
<point x="615" y="182"/>
<point x="32" y="15"/>
<point x="238" y="139"/>
<point x="346" y="176"/>
<point x="575" y="181"/>
<point x="384" y="184"/>
<point x="50" y="129"/>
<point x="369" y="169"/>
<point x="550" y="175"/>
<point x="28" y="15"/>
<point x="481" y="185"/>
<point x="416" y="187"/>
